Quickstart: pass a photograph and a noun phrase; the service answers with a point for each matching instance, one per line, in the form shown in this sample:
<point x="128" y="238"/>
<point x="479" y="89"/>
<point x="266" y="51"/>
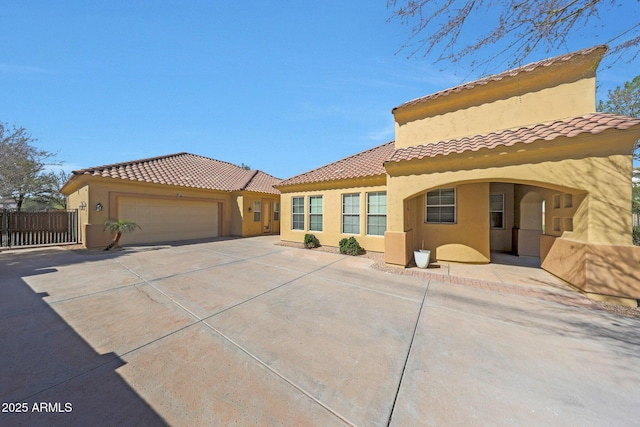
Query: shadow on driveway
<point x="50" y="374"/>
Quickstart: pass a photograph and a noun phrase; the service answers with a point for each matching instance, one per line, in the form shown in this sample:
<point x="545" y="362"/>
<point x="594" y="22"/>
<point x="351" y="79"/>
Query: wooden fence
<point x="38" y="228"/>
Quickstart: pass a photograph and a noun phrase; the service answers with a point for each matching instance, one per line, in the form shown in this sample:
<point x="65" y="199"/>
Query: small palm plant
<point x="118" y="228"/>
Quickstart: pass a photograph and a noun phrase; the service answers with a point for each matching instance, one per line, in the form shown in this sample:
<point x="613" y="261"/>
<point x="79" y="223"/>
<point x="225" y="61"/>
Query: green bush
<point x="350" y="246"/>
<point x="311" y="241"/>
<point x="636" y="235"/>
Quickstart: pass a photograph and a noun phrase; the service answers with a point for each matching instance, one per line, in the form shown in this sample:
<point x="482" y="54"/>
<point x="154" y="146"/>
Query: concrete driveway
<point x="246" y="332"/>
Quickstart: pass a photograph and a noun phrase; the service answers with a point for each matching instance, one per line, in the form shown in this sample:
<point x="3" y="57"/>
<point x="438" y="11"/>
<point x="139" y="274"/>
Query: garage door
<point x="164" y="220"/>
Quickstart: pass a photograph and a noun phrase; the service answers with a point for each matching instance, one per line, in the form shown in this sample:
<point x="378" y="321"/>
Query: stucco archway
<point x="492" y="216"/>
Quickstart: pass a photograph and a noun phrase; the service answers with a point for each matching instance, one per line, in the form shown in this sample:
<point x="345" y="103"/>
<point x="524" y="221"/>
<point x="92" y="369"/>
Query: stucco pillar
<point x="398" y="247"/>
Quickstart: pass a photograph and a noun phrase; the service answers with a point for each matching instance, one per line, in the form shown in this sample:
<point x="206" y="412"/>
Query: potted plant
<point x="422" y="257"/>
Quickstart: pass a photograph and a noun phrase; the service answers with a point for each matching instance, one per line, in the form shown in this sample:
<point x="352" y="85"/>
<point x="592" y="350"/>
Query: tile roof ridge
<point x="250" y="178"/>
<point x="147" y="160"/>
<point x="254" y="175"/>
<point x="215" y="160"/>
<point x="260" y="171"/>
<point x="187" y="170"/>
<point x="360" y="153"/>
<point x="130" y="162"/>
<point x="508" y="73"/>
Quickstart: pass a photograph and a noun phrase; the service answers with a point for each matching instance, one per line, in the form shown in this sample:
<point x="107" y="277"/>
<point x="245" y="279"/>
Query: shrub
<point x="311" y="241"/>
<point x="636" y="235"/>
<point x="350" y="246"/>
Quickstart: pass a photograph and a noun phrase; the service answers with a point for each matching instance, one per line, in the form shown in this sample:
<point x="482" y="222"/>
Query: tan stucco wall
<point x="398" y="247"/>
<point x="610" y="270"/>
<point x="465" y="241"/>
<point x="331" y="233"/>
<point x="75" y="201"/>
<point x="600" y="183"/>
<point x="567" y="100"/>
<point x="237" y="212"/>
<point x="250" y="227"/>
<point x="107" y="190"/>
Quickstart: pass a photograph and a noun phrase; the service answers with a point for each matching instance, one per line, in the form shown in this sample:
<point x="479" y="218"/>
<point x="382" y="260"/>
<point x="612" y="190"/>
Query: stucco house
<point x="516" y="162"/>
<point x="175" y="197"/>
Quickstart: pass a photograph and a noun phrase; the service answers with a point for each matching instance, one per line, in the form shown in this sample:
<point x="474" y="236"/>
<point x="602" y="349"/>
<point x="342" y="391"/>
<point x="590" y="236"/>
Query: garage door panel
<point x="168" y="219"/>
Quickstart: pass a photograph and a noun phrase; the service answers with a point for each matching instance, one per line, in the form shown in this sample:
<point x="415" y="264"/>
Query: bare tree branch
<point x="456" y="30"/>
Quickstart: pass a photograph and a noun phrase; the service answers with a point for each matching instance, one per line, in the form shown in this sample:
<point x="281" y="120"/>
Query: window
<point x="257" y="207"/>
<point x="351" y="213"/>
<point x="276" y="211"/>
<point x="496" y="210"/>
<point x="376" y="213"/>
<point x="297" y="213"/>
<point x="315" y="213"/>
<point x="441" y="206"/>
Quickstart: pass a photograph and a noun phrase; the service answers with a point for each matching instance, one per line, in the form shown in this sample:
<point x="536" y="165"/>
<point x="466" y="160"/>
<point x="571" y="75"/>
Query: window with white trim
<point x="315" y="213"/>
<point x="257" y="209"/>
<point x="351" y="213"/>
<point x="377" y="213"/>
<point x="496" y="210"/>
<point x="441" y="206"/>
<point x="297" y="213"/>
<point x="276" y="211"/>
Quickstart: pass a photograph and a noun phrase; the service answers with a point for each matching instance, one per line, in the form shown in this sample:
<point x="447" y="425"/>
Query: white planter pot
<point x="422" y="258"/>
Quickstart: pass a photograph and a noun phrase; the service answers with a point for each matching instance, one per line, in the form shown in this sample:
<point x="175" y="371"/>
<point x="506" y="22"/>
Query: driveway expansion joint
<point x="202" y="320"/>
<point x="281" y="376"/>
<point x="406" y="360"/>
<point x="468" y="361"/>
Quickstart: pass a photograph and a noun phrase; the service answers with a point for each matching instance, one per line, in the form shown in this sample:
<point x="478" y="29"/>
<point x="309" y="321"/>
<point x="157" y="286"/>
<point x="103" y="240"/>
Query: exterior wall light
<point x="99" y="207"/>
<point x="249" y="208"/>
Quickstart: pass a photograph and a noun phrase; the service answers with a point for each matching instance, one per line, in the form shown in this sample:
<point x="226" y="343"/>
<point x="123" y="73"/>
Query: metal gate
<point x="38" y="228"/>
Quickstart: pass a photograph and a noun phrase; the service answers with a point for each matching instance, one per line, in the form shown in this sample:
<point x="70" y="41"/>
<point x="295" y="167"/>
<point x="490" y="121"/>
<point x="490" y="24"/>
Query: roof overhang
<point x="528" y="78"/>
<point x="366" y="181"/>
<point x="596" y="134"/>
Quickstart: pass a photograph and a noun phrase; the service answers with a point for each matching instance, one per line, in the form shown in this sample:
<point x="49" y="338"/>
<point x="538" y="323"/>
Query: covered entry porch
<point x="578" y="233"/>
<point x="468" y="221"/>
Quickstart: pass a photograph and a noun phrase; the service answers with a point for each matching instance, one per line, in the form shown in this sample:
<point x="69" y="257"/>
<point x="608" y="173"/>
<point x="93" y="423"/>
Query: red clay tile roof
<point x="188" y="170"/>
<point x="262" y="183"/>
<point x="591" y="123"/>
<point x="364" y="164"/>
<point x="558" y="60"/>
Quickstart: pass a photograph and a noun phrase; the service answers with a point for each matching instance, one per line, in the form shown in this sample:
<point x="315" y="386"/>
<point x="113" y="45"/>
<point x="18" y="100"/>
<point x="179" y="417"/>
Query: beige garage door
<point x="164" y="220"/>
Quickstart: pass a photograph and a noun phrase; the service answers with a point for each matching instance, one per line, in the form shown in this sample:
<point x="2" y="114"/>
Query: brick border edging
<point x="575" y="299"/>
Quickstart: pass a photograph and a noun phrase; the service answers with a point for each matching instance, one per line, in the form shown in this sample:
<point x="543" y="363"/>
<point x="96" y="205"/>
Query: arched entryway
<point x="486" y="218"/>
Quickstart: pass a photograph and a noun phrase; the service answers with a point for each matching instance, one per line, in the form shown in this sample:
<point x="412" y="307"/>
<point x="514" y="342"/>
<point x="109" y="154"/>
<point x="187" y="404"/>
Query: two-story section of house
<point x="516" y="162"/>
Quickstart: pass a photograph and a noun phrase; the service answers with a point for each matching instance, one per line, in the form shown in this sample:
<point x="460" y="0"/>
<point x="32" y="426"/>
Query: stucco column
<point x="395" y="206"/>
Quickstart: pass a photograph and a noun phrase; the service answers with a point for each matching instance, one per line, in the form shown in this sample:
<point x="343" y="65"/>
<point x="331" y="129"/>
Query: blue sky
<point x="283" y="86"/>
